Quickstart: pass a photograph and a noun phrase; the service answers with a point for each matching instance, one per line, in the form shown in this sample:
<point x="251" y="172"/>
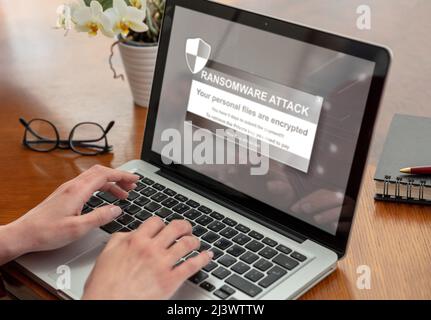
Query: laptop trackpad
<point x="80" y="268"/>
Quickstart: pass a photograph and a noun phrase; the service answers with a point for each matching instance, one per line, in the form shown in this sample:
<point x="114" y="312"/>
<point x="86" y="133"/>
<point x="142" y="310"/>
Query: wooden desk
<point x="67" y="80"/>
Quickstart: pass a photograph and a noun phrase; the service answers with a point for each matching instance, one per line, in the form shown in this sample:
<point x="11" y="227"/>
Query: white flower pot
<point x="139" y="62"/>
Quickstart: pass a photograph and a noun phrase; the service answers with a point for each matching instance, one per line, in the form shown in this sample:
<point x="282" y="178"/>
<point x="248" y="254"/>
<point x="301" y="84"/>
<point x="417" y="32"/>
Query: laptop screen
<point x="303" y="102"/>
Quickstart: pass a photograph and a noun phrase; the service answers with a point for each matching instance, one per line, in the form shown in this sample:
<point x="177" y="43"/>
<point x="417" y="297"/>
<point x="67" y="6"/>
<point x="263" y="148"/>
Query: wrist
<point x="13" y="243"/>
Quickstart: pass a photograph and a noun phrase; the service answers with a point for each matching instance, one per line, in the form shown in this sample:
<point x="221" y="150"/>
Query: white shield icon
<point x="197" y="54"/>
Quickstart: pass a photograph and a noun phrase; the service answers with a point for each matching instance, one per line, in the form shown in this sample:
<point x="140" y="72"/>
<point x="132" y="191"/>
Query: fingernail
<point x="210" y="254"/>
<point x="134" y="186"/>
<point x="116" y="211"/>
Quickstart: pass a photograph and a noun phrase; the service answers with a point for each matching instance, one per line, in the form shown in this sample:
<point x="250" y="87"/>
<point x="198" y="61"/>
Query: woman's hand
<point x="141" y="264"/>
<point x="57" y="221"/>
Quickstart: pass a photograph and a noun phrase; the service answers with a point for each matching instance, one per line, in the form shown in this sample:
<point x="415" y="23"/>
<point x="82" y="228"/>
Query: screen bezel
<point x="381" y="56"/>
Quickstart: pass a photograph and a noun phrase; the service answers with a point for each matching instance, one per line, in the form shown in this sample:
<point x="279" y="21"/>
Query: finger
<point x="150" y="228"/>
<point x="189" y="267"/>
<point x="173" y="231"/>
<point x="182" y="248"/>
<point x="98" y="176"/>
<point x="318" y="201"/>
<point x="115" y="190"/>
<point x="99" y="217"/>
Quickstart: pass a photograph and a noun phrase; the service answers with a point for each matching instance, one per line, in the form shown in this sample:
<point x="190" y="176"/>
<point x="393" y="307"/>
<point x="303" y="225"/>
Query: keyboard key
<point x="198" y="277"/>
<point x="170" y="202"/>
<point x="240" y="267"/>
<point x="273" y="275"/>
<point x="163" y="212"/>
<point x="170" y="192"/>
<point x="263" y="265"/>
<point x="210" y="266"/>
<point x="285" y="261"/>
<point x="108" y="197"/>
<point x="269" y="242"/>
<point x="193" y="204"/>
<point x="216" y="226"/>
<point x="256" y="235"/>
<point x="134" y="225"/>
<point x="222" y="244"/>
<point x="147" y="181"/>
<point x="236" y="251"/>
<point x="268" y="280"/>
<point x="124" y="229"/>
<point x="181" y="208"/>
<point x="229" y="222"/>
<point x="159" y="197"/>
<point x="142" y="201"/>
<point x="192" y="214"/>
<point x="227" y="260"/>
<point x="298" y="256"/>
<point x="227" y="289"/>
<point x="277" y="271"/>
<point x="204" y="246"/>
<point x="284" y="249"/>
<point x="173" y="217"/>
<point x="152" y="206"/>
<point x="204" y="209"/>
<point x="139" y="175"/>
<point x="132" y="209"/>
<point x="228" y="232"/>
<point x="204" y="220"/>
<point x="221" y="273"/>
<point x="158" y="186"/>
<point x="112" y="227"/>
<point x="125" y="219"/>
<point x="242" y="228"/>
<point x="210" y="237"/>
<point x="148" y="192"/>
<point x="254" y="246"/>
<point x="241" y="239"/>
<point x="221" y="294"/>
<point x="133" y="195"/>
<point x="249" y="257"/>
<point x="94" y="202"/>
<point x="199" y="230"/>
<point x="181" y="198"/>
<point x="207" y="286"/>
<point x="216" y="215"/>
<point x="143" y="215"/>
<point x="267" y="252"/>
<point x="217" y="253"/>
<point x="139" y="186"/>
<point x="123" y="204"/>
<point x="86" y="209"/>
<point x="254" y="275"/>
<point x="243" y="285"/>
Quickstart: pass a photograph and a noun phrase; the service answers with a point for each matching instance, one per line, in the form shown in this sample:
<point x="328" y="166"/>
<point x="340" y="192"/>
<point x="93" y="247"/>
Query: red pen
<point x="417" y="170"/>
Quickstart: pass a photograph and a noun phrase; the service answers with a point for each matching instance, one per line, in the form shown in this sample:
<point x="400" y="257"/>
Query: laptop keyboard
<point x="244" y="259"/>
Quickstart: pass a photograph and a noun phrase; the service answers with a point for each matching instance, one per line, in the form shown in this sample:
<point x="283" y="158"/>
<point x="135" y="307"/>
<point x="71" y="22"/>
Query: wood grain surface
<point x="44" y="74"/>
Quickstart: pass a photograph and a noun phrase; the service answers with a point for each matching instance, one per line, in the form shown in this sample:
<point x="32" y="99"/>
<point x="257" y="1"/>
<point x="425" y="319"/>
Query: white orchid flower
<point x="92" y="19"/>
<point x="140" y="4"/>
<point x="64" y="17"/>
<point x="125" y="18"/>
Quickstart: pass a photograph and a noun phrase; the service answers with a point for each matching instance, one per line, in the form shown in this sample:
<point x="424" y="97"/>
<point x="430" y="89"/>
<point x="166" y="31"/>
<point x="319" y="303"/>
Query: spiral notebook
<point x="408" y="145"/>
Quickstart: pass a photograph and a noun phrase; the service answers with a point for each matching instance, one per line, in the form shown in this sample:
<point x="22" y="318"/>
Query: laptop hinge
<point x="252" y="215"/>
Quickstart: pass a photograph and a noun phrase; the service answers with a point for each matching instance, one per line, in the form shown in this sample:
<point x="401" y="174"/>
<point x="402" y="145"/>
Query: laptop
<point x="311" y="97"/>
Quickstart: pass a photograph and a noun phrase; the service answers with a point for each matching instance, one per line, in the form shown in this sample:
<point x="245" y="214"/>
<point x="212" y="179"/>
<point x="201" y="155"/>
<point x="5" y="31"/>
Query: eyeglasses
<point x="86" y="138"/>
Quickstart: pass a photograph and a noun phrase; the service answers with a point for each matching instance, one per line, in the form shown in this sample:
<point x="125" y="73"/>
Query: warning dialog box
<point x="283" y="117"/>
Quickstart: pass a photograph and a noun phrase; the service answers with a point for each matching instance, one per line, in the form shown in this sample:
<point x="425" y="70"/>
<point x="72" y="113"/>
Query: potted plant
<point x="136" y="26"/>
